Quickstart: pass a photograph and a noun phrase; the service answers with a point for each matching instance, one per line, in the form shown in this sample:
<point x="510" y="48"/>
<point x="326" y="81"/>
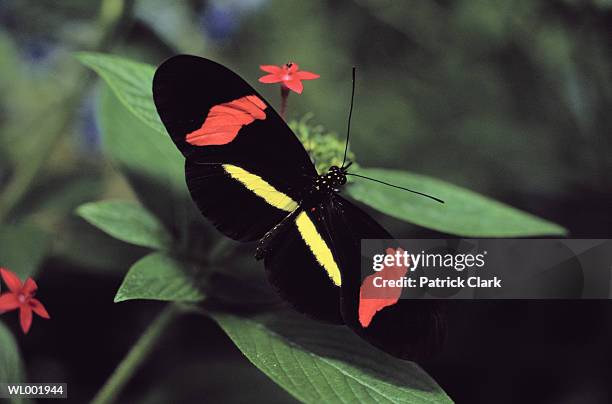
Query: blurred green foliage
<point x="511" y="100"/>
<point x="11" y="367"/>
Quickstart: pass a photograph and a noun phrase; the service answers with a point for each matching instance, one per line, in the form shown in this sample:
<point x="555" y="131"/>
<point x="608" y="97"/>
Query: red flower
<point x="289" y="75"/>
<point x="21" y="296"/>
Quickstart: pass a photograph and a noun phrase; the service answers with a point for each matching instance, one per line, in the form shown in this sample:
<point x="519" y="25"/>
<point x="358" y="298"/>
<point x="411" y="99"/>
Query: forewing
<point x="245" y="167"/>
<point x="241" y="205"/>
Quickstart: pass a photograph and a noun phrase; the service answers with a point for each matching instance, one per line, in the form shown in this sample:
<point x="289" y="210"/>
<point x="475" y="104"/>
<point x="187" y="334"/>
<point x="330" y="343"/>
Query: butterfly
<point x="251" y="177"/>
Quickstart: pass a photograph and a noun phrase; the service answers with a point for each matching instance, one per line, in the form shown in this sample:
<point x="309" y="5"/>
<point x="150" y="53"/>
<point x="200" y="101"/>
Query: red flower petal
<point x="270" y="78"/>
<point x="39" y="309"/>
<point x="293" y="68"/>
<point x="8" y="301"/>
<point x="302" y="75"/>
<point x="11" y="280"/>
<point x="25" y="318"/>
<point x="271" y="69"/>
<point x="295" y="85"/>
<point x="29" y="287"/>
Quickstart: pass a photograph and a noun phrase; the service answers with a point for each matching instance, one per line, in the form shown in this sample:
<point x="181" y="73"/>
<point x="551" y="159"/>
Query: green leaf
<point x="464" y="213"/>
<point x="11" y="367"/>
<point x="80" y="244"/>
<point x="127" y="140"/>
<point x="135" y="146"/>
<point x="320" y="363"/>
<point x="126" y="221"/>
<point x="149" y="159"/>
<point x="159" y="277"/>
<point x="131" y="82"/>
<point x="23" y="248"/>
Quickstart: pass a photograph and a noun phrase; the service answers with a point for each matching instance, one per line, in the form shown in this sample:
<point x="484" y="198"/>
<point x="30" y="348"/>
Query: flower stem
<point x="134" y="359"/>
<point x="284" y="97"/>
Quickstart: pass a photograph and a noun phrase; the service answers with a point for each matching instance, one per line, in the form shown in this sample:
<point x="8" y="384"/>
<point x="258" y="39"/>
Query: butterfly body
<point x="316" y="197"/>
<point x="323" y="187"/>
<point x="251" y="177"/>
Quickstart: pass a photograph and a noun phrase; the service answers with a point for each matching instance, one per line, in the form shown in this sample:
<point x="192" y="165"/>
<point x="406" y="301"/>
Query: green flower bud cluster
<point x="325" y="148"/>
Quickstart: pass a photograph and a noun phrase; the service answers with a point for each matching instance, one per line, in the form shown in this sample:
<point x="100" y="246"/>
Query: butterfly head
<point x="335" y="177"/>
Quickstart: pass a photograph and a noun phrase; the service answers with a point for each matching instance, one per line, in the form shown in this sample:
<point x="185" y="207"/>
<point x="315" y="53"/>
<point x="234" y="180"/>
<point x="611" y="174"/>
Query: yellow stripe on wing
<point x="261" y="188"/>
<point x="319" y="248"/>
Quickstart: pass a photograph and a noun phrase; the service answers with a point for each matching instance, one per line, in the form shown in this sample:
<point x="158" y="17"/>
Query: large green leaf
<point x="131" y="82"/>
<point x="11" y="367"/>
<point x="135" y="146"/>
<point x="159" y="277"/>
<point x="126" y="221"/>
<point x="464" y="213"/>
<point x="149" y="159"/>
<point x="321" y="363"/>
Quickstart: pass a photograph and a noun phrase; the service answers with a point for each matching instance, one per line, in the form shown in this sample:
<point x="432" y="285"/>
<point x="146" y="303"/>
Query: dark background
<point x="510" y="99"/>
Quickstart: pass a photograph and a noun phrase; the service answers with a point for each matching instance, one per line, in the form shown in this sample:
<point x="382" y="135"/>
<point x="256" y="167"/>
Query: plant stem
<point x="134" y="359"/>
<point x="284" y="97"/>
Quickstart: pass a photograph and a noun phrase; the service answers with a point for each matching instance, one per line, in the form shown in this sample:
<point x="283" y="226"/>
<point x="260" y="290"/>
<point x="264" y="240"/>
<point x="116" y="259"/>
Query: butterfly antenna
<point x="348" y="128"/>
<point x="396" y="186"/>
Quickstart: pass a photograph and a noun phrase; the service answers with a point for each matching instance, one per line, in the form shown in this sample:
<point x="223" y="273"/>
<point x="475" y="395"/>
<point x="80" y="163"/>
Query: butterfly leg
<point x="265" y="244"/>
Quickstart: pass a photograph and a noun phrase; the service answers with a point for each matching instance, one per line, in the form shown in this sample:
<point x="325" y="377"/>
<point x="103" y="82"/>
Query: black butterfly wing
<point x="409" y="329"/>
<point x="245" y="168"/>
<point x="301" y="266"/>
<point x="250" y="180"/>
<point x="237" y="210"/>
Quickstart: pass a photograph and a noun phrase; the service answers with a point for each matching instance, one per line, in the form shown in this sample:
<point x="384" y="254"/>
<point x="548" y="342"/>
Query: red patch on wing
<point x="224" y="121"/>
<point x="373" y="299"/>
